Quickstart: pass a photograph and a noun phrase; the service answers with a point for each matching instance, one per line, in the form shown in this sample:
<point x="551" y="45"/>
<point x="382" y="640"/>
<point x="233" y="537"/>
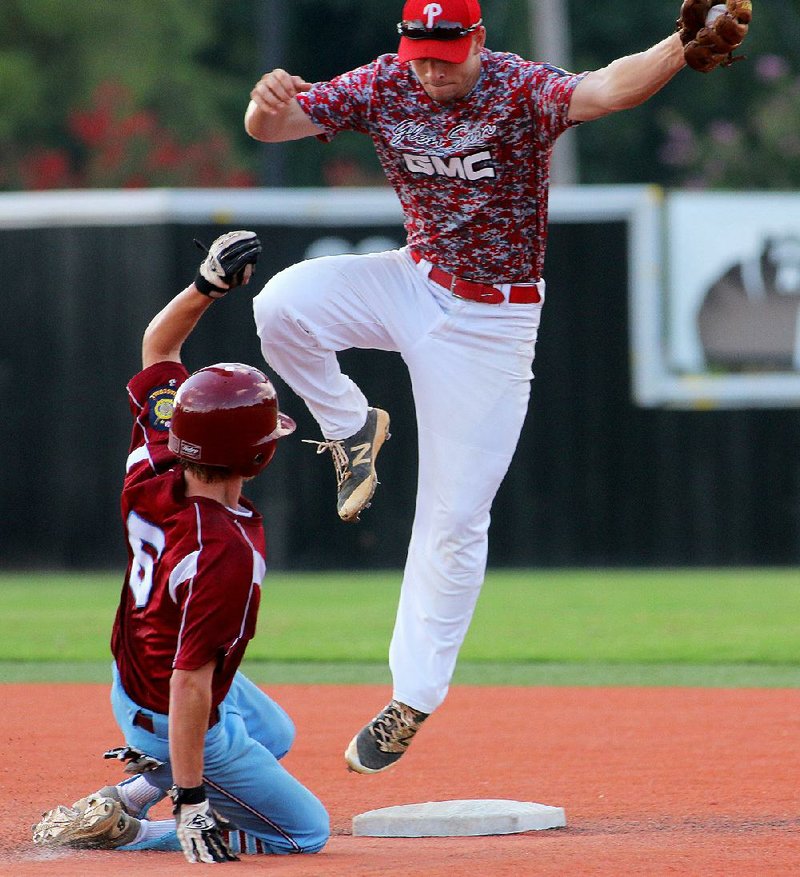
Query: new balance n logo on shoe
<point x="360" y="454"/>
<point x="354" y="462"/>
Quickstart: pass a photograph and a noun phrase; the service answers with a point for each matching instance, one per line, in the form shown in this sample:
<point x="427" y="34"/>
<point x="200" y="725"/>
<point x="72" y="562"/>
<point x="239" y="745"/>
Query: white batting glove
<point x="229" y="262"/>
<point x="198" y="831"/>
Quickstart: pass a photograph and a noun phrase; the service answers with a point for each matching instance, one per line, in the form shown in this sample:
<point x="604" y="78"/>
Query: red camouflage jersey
<point x="472" y="176"/>
<point x="192" y="588"/>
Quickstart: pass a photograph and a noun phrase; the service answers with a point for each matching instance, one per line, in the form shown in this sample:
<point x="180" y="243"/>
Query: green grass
<point x="595" y="627"/>
<point x="467" y="673"/>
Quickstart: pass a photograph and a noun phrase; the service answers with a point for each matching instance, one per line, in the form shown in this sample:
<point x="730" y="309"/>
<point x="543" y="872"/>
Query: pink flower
<point x="771" y="67"/>
<point x="141" y="123"/>
<point x="723" y="132"/>
<point x="167" y="154"/>
<point x="46" y="169"/>
<point x="90" y="127"/>
<point x="680" y="148"/>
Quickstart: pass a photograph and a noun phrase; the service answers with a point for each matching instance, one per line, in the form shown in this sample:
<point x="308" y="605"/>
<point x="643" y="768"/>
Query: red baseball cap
<point x="441" y="30"/>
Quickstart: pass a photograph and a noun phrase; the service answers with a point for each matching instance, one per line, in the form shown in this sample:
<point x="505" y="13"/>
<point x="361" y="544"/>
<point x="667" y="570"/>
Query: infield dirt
<point x="654" y="781"/>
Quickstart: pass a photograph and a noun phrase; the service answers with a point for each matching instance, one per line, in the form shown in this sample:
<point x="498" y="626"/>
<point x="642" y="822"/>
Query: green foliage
<point x="636" y="146"/>
<point x="62" y="61"/>
<point x="187" y="67"/>
<point x="19" y="77"/>
<point x="732" y="128"/>
<point x="755" y="149"/>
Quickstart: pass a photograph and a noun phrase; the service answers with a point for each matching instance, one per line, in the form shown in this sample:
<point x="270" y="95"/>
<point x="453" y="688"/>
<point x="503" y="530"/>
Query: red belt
<point x="482" y="292"/>
<point x="144" y="720"/>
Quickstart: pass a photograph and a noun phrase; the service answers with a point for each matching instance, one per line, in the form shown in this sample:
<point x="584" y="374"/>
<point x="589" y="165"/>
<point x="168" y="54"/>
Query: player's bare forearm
<point x="189" y="709"/>
<point x="172" y="325"/>
<point x="273" y="115"/>
<point x="627" y="82"/>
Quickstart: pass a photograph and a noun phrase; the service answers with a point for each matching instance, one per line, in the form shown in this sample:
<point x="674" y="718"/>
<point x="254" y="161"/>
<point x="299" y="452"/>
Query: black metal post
<point x="273" y="28"/>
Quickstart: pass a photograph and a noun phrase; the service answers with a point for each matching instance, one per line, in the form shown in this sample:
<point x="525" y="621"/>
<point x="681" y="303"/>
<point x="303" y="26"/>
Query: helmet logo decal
<point x="190" y="451"/>
<point x="433" y="11"/>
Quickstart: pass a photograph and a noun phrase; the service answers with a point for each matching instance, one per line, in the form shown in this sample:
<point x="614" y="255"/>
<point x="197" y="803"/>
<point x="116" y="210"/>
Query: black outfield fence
<point x="596" y="480"/>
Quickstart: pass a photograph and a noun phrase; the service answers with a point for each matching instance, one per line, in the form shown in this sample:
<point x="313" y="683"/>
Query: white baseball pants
<point x="470" y="369"/>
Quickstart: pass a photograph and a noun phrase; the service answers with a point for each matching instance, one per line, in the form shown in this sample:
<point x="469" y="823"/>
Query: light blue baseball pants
<point x="244" y="779"/>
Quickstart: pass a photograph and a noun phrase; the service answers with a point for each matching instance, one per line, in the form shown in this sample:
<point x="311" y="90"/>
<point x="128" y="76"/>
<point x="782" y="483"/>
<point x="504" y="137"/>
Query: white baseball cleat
<point x="102" y="825"/>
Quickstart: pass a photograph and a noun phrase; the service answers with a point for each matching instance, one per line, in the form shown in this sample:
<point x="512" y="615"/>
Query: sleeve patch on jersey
<point x="161" y="402"/>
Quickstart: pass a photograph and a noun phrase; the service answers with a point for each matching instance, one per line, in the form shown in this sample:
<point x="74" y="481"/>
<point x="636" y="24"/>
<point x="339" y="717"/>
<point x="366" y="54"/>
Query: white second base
<point x="458" y="819"/>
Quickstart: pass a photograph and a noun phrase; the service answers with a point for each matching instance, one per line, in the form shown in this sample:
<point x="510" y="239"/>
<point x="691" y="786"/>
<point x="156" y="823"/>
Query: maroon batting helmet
<point x="227" y="415"/>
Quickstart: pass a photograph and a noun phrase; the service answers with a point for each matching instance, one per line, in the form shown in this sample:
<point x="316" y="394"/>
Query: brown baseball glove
<point x="711" y="32"/>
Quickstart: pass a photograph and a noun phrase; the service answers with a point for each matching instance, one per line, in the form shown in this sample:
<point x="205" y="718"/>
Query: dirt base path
<point x="654" y="781"/>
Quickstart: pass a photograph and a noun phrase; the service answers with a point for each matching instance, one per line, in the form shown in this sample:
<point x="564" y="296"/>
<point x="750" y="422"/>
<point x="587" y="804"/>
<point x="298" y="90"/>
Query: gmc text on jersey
<point x="469" y="167"/>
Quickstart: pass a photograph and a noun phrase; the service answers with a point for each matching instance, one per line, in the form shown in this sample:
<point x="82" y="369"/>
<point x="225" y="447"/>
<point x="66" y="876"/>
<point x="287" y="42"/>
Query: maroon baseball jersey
<point x="472" y="176"/>
<point x="192" y="587"/>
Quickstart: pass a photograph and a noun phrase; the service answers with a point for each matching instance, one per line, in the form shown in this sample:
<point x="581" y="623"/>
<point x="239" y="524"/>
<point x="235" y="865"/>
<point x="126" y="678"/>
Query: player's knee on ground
<point x="319" y="828"/>
<point x="316" y="827"/>
<point x="308" y="837"/>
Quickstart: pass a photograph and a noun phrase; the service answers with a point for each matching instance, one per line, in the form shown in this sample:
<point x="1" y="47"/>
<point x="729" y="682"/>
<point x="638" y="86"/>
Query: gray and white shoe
<point x="101" y="824"/>
<point x="106" y="792"/>
<point x="354" y="460"/>
<point x="380" y="744"/>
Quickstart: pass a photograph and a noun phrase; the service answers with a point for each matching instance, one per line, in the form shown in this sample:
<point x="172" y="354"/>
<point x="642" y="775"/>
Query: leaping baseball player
<point x="194" y="727"/>
<point x="464" y="135"/>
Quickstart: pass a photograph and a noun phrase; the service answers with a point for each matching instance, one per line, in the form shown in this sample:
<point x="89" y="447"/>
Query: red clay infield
<point x="654" y="781"/>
